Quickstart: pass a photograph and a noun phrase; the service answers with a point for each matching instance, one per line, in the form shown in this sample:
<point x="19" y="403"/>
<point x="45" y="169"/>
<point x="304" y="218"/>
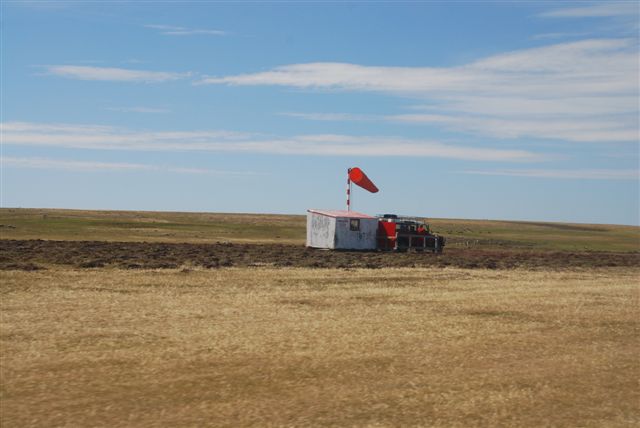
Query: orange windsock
<point x="358" y="177"/>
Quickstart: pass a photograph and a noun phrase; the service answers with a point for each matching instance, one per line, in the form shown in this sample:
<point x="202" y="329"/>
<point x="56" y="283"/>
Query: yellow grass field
<point x="442" y="347"/>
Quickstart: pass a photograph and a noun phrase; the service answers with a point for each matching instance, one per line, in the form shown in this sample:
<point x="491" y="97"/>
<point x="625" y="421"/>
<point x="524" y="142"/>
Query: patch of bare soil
<point x="37" y="254"/>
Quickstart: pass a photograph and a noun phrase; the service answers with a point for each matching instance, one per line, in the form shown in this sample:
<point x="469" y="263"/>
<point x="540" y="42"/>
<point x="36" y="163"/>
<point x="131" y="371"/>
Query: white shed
<point x="346" y="230"/>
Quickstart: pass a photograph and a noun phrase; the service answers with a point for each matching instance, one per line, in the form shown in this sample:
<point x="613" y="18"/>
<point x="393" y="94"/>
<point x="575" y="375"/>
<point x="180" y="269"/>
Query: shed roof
<point x="340" y="213"/>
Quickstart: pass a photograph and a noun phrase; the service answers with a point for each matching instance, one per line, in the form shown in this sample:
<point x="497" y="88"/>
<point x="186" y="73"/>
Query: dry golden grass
<point x="302" y="347"/>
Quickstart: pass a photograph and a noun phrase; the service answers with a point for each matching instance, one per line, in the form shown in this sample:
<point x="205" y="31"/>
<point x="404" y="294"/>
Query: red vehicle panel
<point x="402" y="234"/>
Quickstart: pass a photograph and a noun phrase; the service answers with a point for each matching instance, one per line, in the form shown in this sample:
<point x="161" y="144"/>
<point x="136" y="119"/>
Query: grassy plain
<point x="298" y="347"/>
<point x="255" y="228"/>
<point x="117" y="344"/>
<point x="137" y="226"/>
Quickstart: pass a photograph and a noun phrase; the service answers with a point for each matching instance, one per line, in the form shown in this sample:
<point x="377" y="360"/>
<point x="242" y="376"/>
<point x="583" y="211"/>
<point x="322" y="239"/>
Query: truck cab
<point x="406" y="234"/>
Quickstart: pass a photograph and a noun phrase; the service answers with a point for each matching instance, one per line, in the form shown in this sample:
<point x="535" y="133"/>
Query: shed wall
<point x="363" y="239"/>
<point x="320" y="231"/>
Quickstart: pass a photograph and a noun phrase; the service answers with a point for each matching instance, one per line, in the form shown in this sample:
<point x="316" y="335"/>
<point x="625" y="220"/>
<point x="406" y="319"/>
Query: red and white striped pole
<point x="348" y="190"/>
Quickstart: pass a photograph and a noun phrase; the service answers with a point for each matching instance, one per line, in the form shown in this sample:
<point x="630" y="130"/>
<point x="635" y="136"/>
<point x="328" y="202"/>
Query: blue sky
<point x="494" y="110"/>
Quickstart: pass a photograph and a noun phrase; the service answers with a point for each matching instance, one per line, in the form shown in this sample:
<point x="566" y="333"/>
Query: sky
<point x="478" y="110"/>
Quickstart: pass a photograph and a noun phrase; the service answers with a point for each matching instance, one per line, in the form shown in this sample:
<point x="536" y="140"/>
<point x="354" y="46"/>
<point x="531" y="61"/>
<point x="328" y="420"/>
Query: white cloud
<point x="109" y="138"/>
<point x="206" y="171"/>
<point x="330" y="117"/>
<point x="41" y="5"/>
<point x="113" y="74"/>
<point x="585" y="174"/>
<point x="557" y="86"/>
<point x="139" y="109"/>
<point x="519" y="118"/>
<point x="171" y="30"/>
<point x="578" y="69"/>
<point x="595" y="130"/>
<point x="95" y="166"/>
<point x="561" y="35"/>
<point x="612" y="17"/>
<point x="596" y="10"/>
<point x="570" y="107"/>
<point x="72" y="165"/>
<point x="7" y="128"/>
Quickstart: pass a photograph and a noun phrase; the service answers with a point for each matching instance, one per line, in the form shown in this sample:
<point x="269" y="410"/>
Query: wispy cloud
<point x="95" y="166"/>
<point x="81" y="72"/>
<point x="596" y="10"/>
<point x="330" y="117"/>
<point x="499" y="120"/>
<point x="41" y="5"/>
<point x="71" y="165"/>
<point x="139" y="109"/>
<point x="584" y="174"/>
<point x="574" y="68"/>
<point x="110" y="138"/>
<point x="621" y="18"/>
<point x="560" y="35"/>
<point x="596" y="130"/>
<point x="172" y="30"/>
<point x="558" y="86"/>
<point x="207" y="171"/>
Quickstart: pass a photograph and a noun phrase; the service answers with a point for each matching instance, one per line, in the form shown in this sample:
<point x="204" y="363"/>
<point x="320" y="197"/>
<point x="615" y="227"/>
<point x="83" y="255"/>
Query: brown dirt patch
<point x="37" y="254"/>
